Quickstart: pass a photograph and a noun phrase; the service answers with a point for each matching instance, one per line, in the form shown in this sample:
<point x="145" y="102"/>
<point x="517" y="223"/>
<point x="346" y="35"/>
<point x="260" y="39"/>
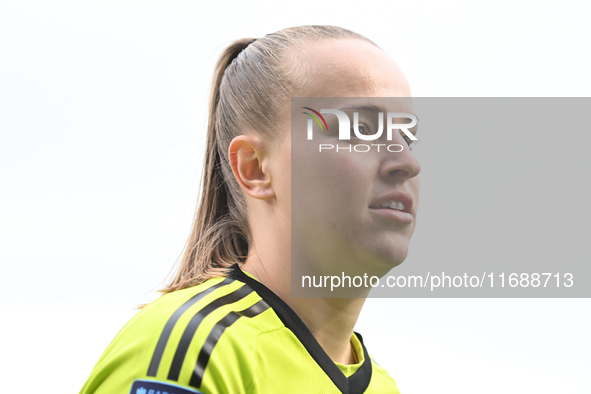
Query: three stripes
<point x="212" y="338"/>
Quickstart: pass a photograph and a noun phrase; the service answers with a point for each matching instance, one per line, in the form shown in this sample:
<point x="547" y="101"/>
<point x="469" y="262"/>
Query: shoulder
<point x="226" y="335"/>
<point x="211" y="327"/>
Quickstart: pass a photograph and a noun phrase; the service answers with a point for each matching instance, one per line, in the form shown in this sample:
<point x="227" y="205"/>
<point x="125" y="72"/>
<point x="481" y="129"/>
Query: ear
<point x="246" y="155"/>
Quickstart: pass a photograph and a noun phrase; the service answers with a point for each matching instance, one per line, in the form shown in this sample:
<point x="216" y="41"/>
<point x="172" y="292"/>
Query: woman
<point x="228" y="323"/>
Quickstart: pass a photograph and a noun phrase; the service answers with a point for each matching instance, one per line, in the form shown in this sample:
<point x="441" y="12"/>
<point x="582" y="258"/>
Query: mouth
<point x="395" y="206"/>
<point x="392" y="204"/>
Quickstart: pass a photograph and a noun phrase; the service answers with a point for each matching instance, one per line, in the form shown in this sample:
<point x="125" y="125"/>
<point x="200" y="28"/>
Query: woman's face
<point x="338" y="223"/>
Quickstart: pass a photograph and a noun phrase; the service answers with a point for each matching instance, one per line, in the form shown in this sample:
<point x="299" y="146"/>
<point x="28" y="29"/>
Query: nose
<point x="399" y="166"/>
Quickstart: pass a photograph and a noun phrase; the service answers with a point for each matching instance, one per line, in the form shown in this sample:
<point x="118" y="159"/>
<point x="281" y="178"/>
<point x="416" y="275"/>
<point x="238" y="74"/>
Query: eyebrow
<point x="368" y="107"/>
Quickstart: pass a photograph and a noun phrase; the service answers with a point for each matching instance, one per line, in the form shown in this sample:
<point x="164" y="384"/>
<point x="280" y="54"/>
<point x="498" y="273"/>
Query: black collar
<point x="354" y="384"/>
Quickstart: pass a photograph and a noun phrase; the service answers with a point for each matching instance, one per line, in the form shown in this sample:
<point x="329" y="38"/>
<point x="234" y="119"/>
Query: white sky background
<point x="102" y="120"/>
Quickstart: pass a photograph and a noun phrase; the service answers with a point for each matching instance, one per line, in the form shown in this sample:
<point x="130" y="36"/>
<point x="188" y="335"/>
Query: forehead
<point x="348" y="68"/>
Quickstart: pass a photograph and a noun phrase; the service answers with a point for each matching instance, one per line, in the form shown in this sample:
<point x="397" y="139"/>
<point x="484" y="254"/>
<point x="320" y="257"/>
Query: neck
<point x="330" y="320"/>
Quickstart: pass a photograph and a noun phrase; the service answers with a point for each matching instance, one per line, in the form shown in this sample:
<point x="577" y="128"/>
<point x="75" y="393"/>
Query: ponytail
<point x="250" y="86"/>
<point x="216" y="241"/>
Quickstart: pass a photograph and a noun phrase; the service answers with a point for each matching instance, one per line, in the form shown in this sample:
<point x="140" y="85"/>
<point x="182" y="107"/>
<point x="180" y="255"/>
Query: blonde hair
<point x="253" y="82"/>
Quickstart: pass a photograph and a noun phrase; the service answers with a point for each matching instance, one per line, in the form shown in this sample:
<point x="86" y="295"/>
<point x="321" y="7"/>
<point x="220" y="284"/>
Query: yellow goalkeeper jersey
<point x="228" y="335"/>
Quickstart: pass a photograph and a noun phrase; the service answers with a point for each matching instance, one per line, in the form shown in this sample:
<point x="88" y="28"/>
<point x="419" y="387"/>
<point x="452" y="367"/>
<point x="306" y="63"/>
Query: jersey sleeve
<point x="196" y="341"/>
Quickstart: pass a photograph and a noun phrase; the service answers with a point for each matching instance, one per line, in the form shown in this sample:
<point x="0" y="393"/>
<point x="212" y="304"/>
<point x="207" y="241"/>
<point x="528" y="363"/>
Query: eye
<point x="363" y="129"/>
<point x="408" y="141"/>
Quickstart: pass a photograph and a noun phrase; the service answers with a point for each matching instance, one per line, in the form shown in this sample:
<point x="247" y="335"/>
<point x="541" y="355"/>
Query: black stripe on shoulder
<point x="216" y="333"/>
<point x="187" y="337"/>
<point x="355" y="384"/>
<point x="165" y="335"/>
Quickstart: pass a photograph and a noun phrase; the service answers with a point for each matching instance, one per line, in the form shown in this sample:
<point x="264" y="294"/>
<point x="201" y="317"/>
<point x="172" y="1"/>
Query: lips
<point x="397" y="200"/>
<point x="395" y="206"/>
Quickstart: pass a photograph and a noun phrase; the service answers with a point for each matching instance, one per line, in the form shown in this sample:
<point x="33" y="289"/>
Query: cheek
<point x="357" y="167"/>
<point x="346" y="167"/>
<point x="282" y="181"/>
<point x="330" y="190"/>
<point x="340" y="182"/>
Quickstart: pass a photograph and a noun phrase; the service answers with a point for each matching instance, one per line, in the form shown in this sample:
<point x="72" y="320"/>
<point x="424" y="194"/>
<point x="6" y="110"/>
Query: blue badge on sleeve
<point x="153" y="387"/>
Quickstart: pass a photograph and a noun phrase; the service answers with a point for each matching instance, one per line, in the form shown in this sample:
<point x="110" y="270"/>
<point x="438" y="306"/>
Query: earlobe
<point x="247" y="159"/>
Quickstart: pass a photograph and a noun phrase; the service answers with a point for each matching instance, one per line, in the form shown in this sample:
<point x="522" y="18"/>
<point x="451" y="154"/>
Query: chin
<point x="379" y="264"/>
<point x="391" y="259"/>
